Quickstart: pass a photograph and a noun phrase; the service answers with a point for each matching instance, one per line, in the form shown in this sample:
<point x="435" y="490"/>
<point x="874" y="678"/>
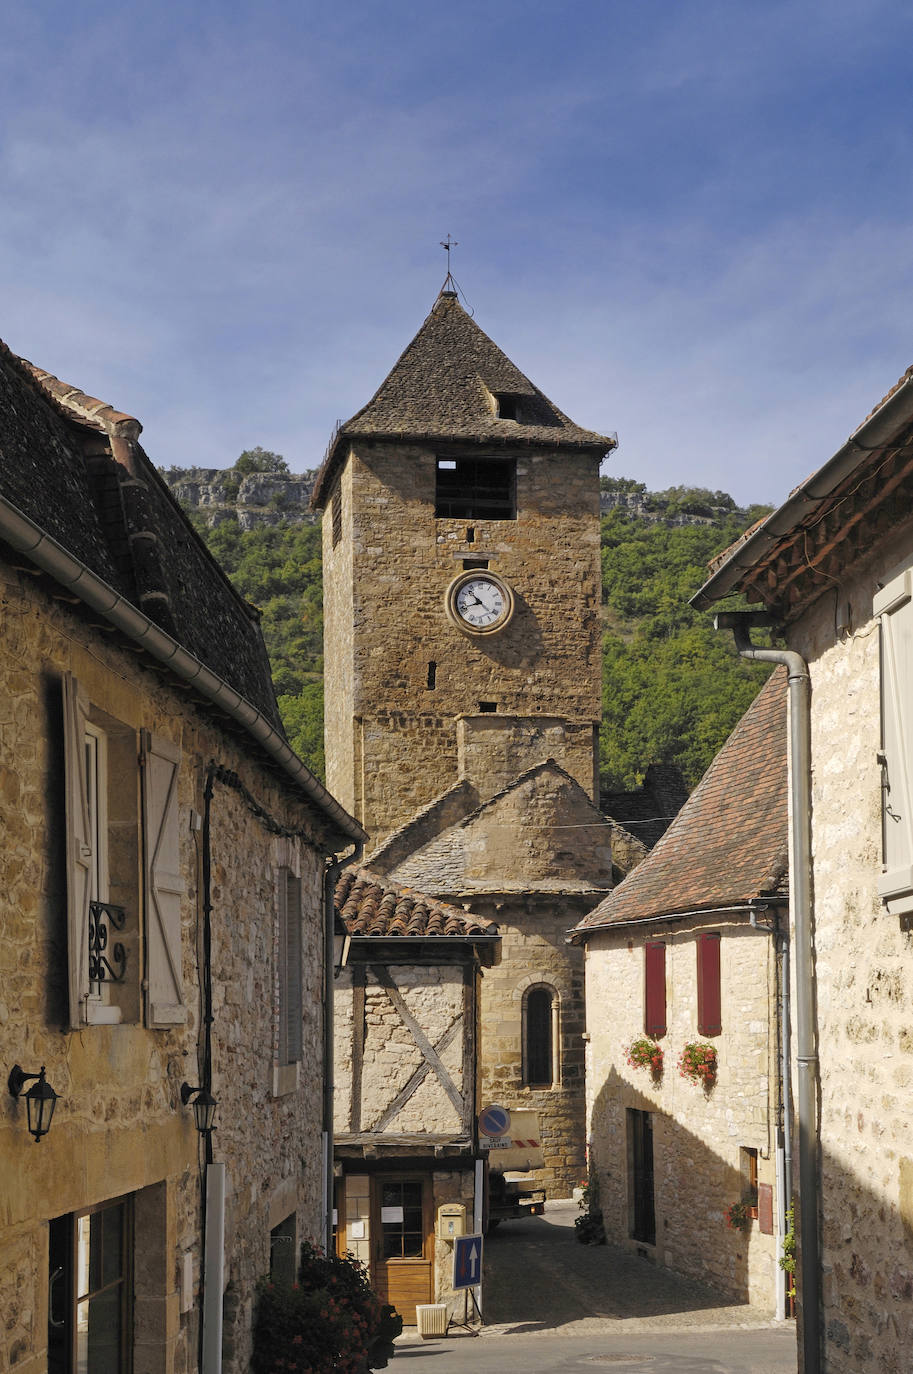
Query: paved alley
<point x="553" y="1305"/>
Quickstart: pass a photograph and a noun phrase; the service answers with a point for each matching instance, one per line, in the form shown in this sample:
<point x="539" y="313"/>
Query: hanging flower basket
<point x="645" y="1054"/>
<point x="738" y="1216"/>
<point x="697" y="1061"/>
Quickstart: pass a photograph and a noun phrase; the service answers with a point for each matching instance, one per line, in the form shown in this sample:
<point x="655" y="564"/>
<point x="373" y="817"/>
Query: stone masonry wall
<point x="864" y="980"/>
<point x="434" y="996"/>
<point x="119" y="1126"/>
<point x="697" y="1133"/>
<point x="392" y="599"/>
<point x="534" y="953"/>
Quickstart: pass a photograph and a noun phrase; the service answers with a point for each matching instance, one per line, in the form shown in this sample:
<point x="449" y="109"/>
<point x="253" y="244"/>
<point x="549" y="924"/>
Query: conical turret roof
<point x="447" y="386"/>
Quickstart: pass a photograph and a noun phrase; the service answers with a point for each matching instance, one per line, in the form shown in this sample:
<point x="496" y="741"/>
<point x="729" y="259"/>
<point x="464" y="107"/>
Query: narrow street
<point x="553" y="1305"/>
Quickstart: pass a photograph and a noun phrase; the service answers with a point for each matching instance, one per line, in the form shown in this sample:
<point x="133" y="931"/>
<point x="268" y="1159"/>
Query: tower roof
<point x="453" y="383"/>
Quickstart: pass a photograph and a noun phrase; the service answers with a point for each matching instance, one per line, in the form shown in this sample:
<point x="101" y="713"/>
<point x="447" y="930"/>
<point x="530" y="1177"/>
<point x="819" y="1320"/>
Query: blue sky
<point x="687" y="221"/>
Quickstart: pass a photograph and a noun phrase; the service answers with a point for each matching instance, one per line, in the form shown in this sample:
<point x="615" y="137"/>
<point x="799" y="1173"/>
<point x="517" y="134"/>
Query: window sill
<point x="285" y="1079"/>
<point x="99" y="1014"/>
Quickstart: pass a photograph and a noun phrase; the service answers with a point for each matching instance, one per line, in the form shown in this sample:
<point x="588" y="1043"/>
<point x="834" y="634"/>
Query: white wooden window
<point x="163" y="883"/>
<point x="894" y="604"/>
<point x="121" y="850"/>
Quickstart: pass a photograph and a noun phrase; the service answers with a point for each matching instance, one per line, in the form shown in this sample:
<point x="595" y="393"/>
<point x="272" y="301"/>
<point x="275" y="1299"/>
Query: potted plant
<point x="697" y="1061"/>
<point x="738" y="1217"/>
<point x="645" y="1054"/>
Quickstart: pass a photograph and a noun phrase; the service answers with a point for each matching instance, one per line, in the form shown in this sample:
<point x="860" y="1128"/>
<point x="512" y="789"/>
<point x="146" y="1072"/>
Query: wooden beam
<point x="358" y="1045"/>
<point x="415" y="1082"/>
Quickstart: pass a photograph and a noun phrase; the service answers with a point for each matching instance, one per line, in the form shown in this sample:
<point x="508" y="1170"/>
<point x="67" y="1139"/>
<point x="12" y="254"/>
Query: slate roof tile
<point x="441" y="388"/>
<point x="728" y="844"/>
<point x="74" y="467"/>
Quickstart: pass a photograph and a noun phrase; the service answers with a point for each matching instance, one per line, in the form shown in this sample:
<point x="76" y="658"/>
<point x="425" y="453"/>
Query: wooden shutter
<point x="765" y="1209"/>
<point x="293" y="1007"/>
<point x="709" y="1015"/>
<point x="79" y="848"/>
<point x="162" y="882"/>
<point x="655" y="989"/>
<point x="895" y="606"/>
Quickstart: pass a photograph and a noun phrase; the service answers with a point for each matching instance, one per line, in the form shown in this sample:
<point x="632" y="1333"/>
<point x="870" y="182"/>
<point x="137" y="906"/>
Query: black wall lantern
<point x="204" y="1106"/>
<point x="40" y="1100"/>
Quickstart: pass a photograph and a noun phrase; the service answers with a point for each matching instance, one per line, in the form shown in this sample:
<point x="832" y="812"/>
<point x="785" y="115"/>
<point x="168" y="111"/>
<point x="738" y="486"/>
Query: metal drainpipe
<point x="331" y="874"/>
<point x="799" y="685"/>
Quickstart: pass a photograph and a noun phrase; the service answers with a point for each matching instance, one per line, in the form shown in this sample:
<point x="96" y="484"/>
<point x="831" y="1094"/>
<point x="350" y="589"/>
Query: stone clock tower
<point x="462" y="680"/>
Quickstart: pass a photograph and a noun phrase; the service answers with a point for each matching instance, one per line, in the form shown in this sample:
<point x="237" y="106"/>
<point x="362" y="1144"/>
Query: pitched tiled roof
<point x="830" y="521"/>
<point x="728" y="844"/>
<point x="443" y="388"/>
<point x="74" y="467"/>
<point x="372" y="906"/>
<point x="540" y="833"/>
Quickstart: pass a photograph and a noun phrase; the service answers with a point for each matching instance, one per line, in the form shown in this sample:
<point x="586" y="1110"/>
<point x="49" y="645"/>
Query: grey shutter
<point x="163" y="885"/>
<point x="894" y="604"/>
<point x="293" y="1007"/>
<point x="289" y="971"/>
<point x="80" y="853"/>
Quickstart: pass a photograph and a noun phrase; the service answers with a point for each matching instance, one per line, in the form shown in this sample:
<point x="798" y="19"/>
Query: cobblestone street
<point x="551" y="1304"/>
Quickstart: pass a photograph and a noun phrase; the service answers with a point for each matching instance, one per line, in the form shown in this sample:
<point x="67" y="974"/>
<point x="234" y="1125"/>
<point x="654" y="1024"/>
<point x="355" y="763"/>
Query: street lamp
<point x="40" y="1100"/>
<point x="204" y="1106"/>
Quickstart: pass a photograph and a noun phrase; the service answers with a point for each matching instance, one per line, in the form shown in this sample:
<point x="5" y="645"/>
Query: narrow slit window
<point x="432" y="676"/>
<point x="539" y="1017"/>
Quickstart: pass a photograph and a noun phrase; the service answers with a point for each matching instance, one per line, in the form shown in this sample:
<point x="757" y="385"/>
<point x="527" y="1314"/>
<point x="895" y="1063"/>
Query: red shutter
<point x="765" y="1209"/>
<point x="655" y="989"/>
<point x="709" y="1021"/>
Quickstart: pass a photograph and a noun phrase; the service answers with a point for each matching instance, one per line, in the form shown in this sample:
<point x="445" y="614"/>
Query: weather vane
<point x="447" y="244"/>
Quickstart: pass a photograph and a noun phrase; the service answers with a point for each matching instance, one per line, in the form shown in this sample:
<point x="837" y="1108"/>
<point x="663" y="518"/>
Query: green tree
<point x="259" y="460"/>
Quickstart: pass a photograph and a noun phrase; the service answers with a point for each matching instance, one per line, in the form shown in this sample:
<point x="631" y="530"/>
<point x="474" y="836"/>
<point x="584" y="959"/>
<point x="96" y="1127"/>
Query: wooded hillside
<point x="673" y="687"/>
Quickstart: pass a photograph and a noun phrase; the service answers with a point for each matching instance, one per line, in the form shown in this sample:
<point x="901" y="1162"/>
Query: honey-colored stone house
<point x="832" y="567"/>
<point x="689" y="950"/>
<point x="463" y="682"/>
<point x="163" y="909"/>
<point x="408" y="1173"/>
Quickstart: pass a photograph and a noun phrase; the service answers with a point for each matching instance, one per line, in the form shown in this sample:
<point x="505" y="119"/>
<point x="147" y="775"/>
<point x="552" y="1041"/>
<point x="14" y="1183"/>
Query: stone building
<point x="463" y="679"/>
<point x="834" y="567"/>
<point x="162" y="916"/>
<point x="688" y="950"/>
<point x="406" y="1086"/>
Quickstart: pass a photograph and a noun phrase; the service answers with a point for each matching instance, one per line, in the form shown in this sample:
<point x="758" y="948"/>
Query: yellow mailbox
<point x="451" y="1220"/>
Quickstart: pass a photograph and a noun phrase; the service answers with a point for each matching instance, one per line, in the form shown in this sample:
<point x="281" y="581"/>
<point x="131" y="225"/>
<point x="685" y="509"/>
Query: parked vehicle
<point x="512" y="1188"/>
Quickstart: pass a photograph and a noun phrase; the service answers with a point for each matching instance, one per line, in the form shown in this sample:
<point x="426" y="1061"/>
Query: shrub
<point x="329" y="1322"/>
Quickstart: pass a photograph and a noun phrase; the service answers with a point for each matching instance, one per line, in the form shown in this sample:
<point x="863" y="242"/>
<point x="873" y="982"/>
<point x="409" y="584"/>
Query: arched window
<point x="540" y="1016"/>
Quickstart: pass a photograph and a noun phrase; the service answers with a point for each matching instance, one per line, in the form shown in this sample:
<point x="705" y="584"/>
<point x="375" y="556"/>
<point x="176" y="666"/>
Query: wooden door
<point x="403" y="1234"/>
<point x="644" y="1218"/>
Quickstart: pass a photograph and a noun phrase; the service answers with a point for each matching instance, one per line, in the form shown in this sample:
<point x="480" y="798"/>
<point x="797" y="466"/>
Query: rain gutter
<point x="872" y="434"/>
<point x="29" y="539"/>
<point x="799" y="689"/>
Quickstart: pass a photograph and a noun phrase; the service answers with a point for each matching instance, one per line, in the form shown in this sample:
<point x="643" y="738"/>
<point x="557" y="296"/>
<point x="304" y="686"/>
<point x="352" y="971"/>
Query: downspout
<point x="334" y="867"/>
<point x="799" y="686"/>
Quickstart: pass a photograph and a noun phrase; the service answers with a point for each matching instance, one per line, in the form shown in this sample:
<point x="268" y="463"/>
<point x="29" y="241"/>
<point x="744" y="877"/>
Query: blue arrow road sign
<point x="467" y="1261"/>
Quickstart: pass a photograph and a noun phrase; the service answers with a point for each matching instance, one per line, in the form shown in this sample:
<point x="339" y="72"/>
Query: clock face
<point x="480" y="602"/>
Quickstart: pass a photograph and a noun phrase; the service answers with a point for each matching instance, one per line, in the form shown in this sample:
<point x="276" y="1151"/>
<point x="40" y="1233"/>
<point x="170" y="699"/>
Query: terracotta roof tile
<point x="442" y="387"/>
<point x="373" y="906"/>
<point x="728" y="843"/>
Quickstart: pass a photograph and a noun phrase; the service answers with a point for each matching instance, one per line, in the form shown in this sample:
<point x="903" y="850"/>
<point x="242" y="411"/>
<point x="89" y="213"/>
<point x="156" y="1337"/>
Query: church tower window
<point x="476" y="489"/>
